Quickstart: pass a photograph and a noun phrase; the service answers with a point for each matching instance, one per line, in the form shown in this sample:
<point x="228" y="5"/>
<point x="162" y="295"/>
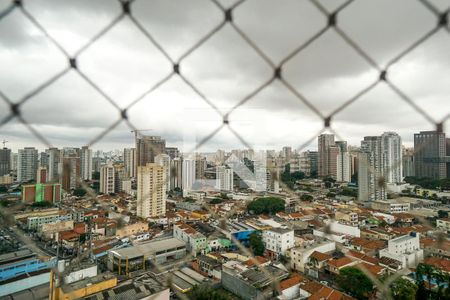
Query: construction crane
<point x="4" y="143"/>
<point x="139" y="130"/>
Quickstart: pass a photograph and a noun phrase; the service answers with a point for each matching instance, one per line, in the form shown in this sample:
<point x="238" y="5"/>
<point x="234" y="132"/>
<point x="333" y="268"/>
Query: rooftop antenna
<point x="4" y="143"/>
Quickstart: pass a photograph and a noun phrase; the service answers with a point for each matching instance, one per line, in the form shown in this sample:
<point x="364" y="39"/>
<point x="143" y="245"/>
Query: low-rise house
<point x="250" y="283"/>
<point x="135" y="228"/>
<point x="209" y="266"/>
<point x="278" y="241"/>
<point x="335" y="265"/>
<point x="443" y="224"/>
<point x="195" y="240"/>
<point x="300" y="255"/>
<point x="435" y="248"/>
<point x="439" y="263"/>
<point x="316" y="263"/>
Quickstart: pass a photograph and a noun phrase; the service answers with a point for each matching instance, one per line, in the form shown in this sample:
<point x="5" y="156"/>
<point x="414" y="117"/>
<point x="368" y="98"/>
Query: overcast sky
<point x="225" y="69"/>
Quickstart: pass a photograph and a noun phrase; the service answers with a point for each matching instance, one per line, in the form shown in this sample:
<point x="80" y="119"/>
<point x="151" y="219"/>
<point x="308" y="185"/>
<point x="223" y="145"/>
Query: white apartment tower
<point x="151" y="191"/>
<point x="224" y="179"/>
<point x="27" y="164"/>
<point x="188" y="175"/>
<point x="86" y="163"/>
<point x="343" y="163"/>
<point x="107" y="179"/>
<point x="164" y="160"/>
<point x="391" y="144"/>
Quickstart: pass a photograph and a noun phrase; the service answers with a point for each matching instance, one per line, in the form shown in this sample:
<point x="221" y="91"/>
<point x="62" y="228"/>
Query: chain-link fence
<point x="333" y="17"/>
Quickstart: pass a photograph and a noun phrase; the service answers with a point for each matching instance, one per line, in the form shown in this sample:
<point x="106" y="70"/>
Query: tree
<point x="256" y="244"/>
<point x="442" y="214"/>
<point x="329" y="182"/>
<point x="204" y="292"/>
<point x="403" y="289"/>
<point x="266" y="205"/>
<point x="354" y="178"/>
<point x="331" y="195"/>
<point x="3" y="189"/>
<point x="216" y="201"/>
<point x="79" y="192"/>
<point x="314" y="174"/>
<point x="306" y="197"/>
<point x="96" y="175"/>
<point x="354" y="282"/>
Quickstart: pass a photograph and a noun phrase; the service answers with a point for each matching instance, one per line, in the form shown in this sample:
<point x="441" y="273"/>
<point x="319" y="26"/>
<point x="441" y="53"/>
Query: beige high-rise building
<point x="107" y="179"/>
<point x="325" y="141"/>
<point x="151" y="191"/>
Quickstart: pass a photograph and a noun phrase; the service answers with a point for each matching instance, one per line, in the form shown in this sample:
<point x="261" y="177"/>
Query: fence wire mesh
<point x="332" y="24"/>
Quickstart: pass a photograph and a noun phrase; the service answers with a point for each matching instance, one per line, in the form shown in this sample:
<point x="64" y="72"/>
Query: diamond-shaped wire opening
<point x="137" y="67"/>
<point x="324" y="75"/>
<point x="73" y="24"/>
<point x="228" y="68"/>
<point x="383" y="29"/>
<point x="275" y="112"/>
<point x="27" y="57"/>
<point x="173" y="109"/>
<point x="371" y="110"/>
<point x="274" y="35"/>
<point x="424" y="74"/>
<point x="188" y="22"/>
<point x="80" y="117"/>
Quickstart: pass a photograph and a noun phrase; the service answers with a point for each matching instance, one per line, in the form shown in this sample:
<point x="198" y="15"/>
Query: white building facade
<point x="278" y="240"/>
<point x="405" y="249"/>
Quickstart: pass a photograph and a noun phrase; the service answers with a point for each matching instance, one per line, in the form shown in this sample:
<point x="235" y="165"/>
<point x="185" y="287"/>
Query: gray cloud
<point x="125" y="64"/>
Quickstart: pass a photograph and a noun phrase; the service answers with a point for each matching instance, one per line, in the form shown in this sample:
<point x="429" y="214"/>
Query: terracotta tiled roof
<point x="443" y="264"/>
<point x="328" y="294"/>
<point x="319" y="256"/>
<point x="340" y="262"/>
<point x="290" y="282"/>
<point x="252" y="261"/>
<point x="362" y="256"/>
<point x="373" y="269"/>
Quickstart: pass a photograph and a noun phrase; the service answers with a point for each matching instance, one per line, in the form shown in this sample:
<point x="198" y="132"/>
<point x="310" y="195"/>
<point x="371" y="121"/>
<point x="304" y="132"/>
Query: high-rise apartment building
<point x="120" y="175"/>
<point x="164" y="160"/>
<point x="172" y="152"/>
<point x="13" y="164"/>
<point x="5" y="161"/>
<point x="343" y="163"/>
<point x="176" y="173"/>
<point x="408" y="162"/>
<point x="42" y="174"/>
<point x="147" y="148"/>
<point x="325" y="142"/>
<point x="200" y="167"/>
<point x="286" y="152"/>
<point x="188" y="175"/>
<point x="86" y="163"/>
<point x="27" y="164"/>
<point x="129" y="160"/>
<point x="371" y="184"/>
<point x="43" y="159"/>
<point x="430" y="155"/>
<point x="328" y="152"/>
<point x="71" y="172"/>
<point x="54" y="164"/>
<point x="391" y="145"/>
<point x="151" y="191"/>
<point x="224" y="178"/>
<point x="107" y="179"/>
